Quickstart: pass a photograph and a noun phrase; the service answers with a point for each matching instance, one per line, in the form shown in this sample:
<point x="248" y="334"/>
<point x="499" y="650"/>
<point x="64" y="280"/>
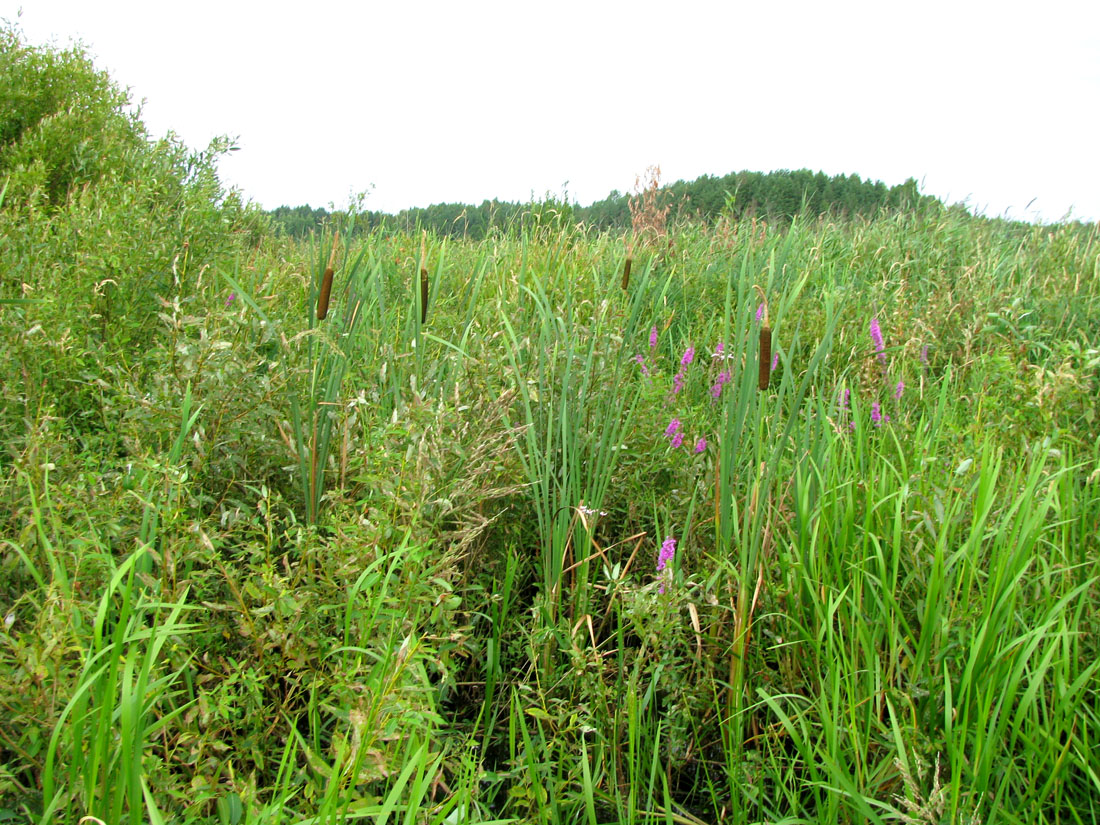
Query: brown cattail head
<point x="765" y="341"/>
<point x="424" y="277"/>
<point x="326" y="280"/>
<point x="626" y="271"/>
<point x="423" y="295"/>
<point x="765" y="356"/>
<point x="326" y="293"/>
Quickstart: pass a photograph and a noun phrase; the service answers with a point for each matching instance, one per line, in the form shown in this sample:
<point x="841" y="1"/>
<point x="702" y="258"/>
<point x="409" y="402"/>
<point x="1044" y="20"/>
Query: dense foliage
<point x="513" y="534"/>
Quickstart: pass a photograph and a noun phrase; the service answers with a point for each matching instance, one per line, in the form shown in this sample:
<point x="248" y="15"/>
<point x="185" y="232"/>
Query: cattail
<point x="326" y="281"/>
<point x="765" y="357"/>
<point x="423" y="280"/>
<point x="423" y="295"/>
<point x="326" y="292"/>
<point x="765" y="344"/>
<point x="626" y="267"/>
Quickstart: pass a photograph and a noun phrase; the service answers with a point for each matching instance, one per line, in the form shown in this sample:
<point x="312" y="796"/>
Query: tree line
<point x="776" y="196"/>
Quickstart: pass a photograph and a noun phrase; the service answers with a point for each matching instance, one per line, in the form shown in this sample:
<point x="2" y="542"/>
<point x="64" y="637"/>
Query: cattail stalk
<point x="627" y="265"/>
<point x="326" y="281"/>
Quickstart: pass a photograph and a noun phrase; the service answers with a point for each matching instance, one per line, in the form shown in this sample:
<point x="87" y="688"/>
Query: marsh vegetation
<point x="508" y="533"/>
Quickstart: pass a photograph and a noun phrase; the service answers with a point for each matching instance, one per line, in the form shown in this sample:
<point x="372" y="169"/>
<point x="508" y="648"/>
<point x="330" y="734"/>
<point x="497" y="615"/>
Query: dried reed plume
<point x="326" y="281"/>
<point x="648" y="214"/>
<point x="765" y="344"/>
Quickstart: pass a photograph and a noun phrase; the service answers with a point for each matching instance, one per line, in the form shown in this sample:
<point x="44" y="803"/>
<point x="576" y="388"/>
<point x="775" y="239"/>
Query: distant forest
<point x="776" y="196"/>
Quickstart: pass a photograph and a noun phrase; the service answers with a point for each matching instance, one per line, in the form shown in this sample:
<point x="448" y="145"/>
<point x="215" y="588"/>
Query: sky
<point x="992" y="104"/>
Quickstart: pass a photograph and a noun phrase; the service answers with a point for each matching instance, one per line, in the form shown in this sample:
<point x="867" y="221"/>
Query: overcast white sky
<point x="993" y="103"/>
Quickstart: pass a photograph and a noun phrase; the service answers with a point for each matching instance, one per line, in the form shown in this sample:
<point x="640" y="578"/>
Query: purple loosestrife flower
<point x="640" y="360"/>
<point x="775" y="361"/>
<point x="723" y="378"/>
<point x="876" y="339"/>
<point x="677" y="382"/>
<point x="668" y="550"/>
<point x="900" y="389"/>
<point x="689" y="356"/>
<point x="876" y="414"/>
<point x="924" y="355"/>
<point x="700" y="445"/>
<point x="673" y="428"/>
<point x="718" y="350"/>
<point x="653" y="337"/>
<point x="844" y="396"/>
<point x="677" y="440"/>
<point x="666" y="554"/>
<point x="760" y="313"/>
<point x="232" y="297"/>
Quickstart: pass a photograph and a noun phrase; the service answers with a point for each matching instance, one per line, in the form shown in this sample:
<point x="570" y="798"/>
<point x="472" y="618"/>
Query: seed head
<point x="326" y="293"/>
<point x="765" y="357"/>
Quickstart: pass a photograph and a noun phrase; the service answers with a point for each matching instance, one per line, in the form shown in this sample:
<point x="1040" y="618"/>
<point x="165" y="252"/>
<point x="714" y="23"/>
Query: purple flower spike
<point x="900" y="389"/>
<point x="673" y="428"/>
<point x="760" y="313"/>
<point x="666" y="554"/>
<point x="677" y="382"/>
<point x="700" y="445"/>
<point x="232" y="297"/>
<point x="677" y="441"/>
<point x="689" y="356"/>
<point x="876" y="339"/>
<point x="668" y="551"/>
<point x="924" y="355"/>
<point x="718" y="350"/>
<point x="775" y="361"/>
<point x="653" y="337"/>
<point x="843" y="401"/>
<point x="723" y="378"/>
